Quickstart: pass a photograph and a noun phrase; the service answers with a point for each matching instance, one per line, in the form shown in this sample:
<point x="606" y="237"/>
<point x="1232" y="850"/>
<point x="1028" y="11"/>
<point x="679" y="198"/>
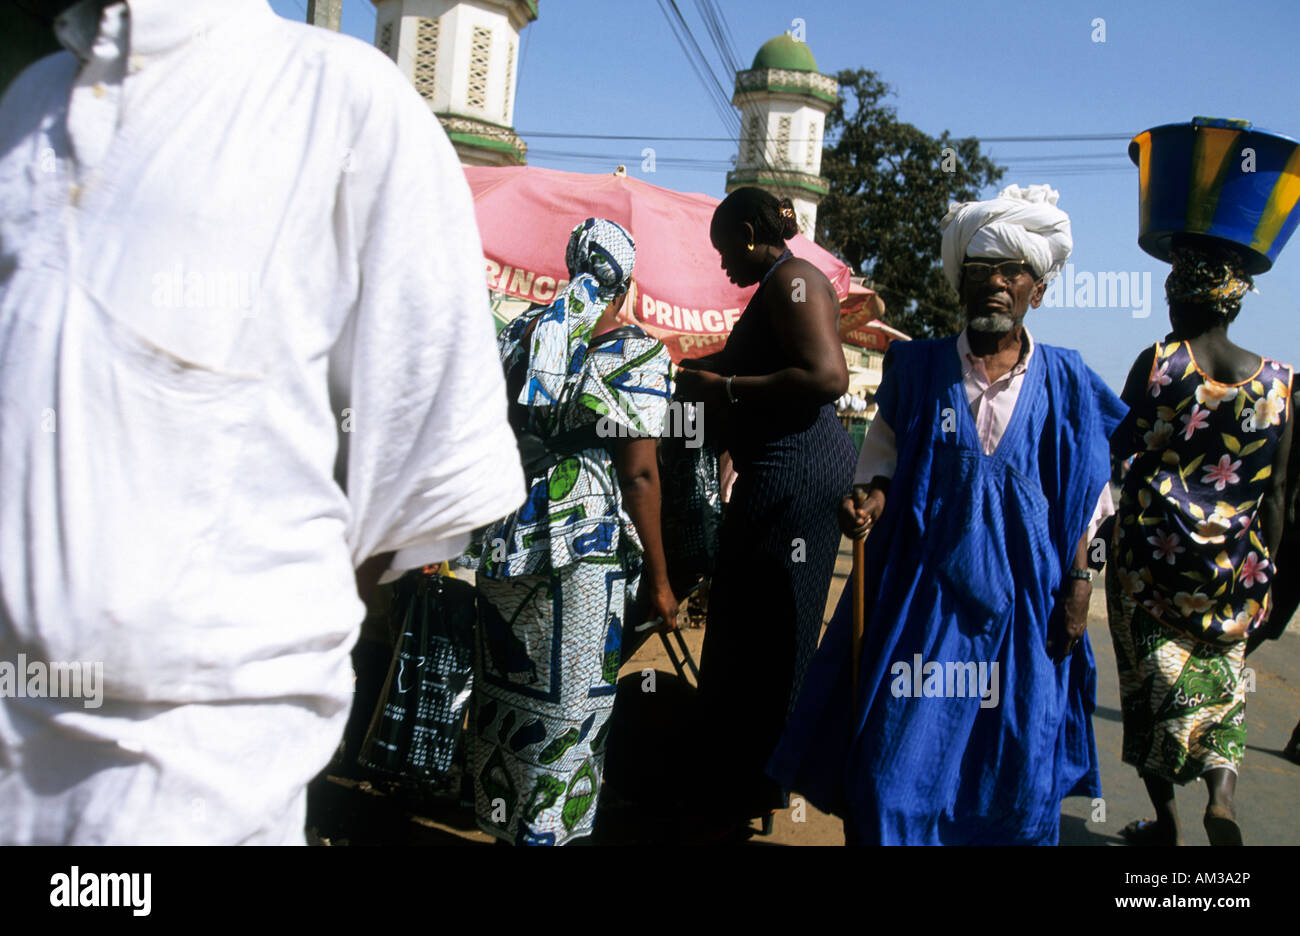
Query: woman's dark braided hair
<point x="773" y="218"/>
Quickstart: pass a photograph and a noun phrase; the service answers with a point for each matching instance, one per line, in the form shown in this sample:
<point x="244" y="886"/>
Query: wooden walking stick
<point x="859" y="610"/>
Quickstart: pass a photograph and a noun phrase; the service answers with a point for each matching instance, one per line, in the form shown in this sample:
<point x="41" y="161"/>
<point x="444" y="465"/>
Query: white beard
<point x="994" y="323"/>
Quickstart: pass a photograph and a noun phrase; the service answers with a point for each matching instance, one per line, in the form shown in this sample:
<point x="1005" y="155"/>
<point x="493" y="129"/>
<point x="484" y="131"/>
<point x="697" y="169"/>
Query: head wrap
<point x="606" y="251"/>
<point x="600" y="257"/>
<point x="1020" y="224"/>
<point x="1217" y="279"/>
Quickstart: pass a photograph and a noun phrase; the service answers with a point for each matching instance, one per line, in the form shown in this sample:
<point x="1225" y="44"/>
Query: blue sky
<point x="985" y="69"/>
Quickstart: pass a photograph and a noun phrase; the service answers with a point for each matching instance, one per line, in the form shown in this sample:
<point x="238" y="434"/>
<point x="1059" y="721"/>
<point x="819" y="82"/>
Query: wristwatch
<point x="1081" y="574"/>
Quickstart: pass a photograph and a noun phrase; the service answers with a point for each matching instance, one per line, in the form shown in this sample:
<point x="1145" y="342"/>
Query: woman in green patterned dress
<point x="554" y="578"/>
<point x="1198" y="525"/>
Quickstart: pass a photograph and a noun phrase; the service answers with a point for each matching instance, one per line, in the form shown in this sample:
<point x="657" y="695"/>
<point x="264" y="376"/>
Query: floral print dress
<point x="1190" y="570"/>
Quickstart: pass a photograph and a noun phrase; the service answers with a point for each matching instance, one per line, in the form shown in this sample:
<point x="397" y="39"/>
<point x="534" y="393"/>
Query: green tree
<point x="890" y="184"/>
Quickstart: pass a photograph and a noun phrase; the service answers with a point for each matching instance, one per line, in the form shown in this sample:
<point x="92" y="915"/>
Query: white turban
<point x="1020" y="224"/>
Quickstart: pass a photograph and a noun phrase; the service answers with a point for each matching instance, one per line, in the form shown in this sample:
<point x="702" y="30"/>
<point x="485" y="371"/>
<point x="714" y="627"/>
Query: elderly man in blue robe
<point x="984" y="479"/>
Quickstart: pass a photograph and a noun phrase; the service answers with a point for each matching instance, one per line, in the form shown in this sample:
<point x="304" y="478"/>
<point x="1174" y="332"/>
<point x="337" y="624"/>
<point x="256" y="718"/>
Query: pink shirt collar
<point x="970" y="364"/>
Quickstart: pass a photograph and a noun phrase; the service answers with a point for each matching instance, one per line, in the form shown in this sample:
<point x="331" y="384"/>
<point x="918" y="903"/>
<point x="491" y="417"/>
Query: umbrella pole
<point x="859" y="611"/>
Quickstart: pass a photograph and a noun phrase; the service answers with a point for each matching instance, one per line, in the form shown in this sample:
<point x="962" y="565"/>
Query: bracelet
<point x="730" y="393"/>
<point x="1083" y="575"/>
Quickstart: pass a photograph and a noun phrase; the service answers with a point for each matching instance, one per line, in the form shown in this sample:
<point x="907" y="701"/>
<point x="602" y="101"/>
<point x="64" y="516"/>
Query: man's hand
<point x="1069" y="618"/>
<point x="859" y="512"/>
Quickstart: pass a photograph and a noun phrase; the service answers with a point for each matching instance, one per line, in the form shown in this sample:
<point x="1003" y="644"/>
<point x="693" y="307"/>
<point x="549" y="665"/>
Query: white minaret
<point x="325" y="13"/>
<point x="463" y="57"/>
<point x="783" y="102"/>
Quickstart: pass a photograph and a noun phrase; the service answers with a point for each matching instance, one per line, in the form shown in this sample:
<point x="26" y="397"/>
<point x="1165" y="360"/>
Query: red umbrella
<point x="680" y="294"/>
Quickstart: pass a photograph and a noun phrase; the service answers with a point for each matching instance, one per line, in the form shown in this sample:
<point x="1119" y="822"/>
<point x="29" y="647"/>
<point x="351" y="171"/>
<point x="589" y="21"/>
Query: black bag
<point x="690" y="510"/>
<point x="420" y="719"/>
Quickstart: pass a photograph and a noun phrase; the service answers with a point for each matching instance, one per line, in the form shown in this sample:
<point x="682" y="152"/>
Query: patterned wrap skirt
<point x="546" y="670"/>
<point x="1184" y="700"/>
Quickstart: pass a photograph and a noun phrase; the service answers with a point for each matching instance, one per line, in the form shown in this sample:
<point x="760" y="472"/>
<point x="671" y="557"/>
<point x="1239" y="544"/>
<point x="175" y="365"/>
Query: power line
<point x="607" y="160"/>
<point x="612" y="159"/>
<point x="623" y="157"/>
<point x="1060" y="164"/>
<point x="717" y="86"/>
<point x="1068" y="138"/>
<point x="580" y="165"/>
<point x="1019" y="158"/>
<point x="695" y="58"/>
<point x="719" y="35"/>
<point x="729" y="38"/>
<point x="713" y="84"/>
<point x="627" y="136"/>
<point x="1065" y="138"/>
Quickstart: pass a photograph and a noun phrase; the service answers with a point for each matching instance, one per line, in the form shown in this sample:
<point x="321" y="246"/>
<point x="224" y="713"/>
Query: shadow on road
<point x="1276" y="752"/>
<point x="1109" y="714"/>
<point x="1076" y="831"/>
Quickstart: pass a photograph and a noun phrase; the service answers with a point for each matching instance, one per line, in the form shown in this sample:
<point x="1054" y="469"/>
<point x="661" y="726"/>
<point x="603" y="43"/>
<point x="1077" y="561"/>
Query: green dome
<point x="785" y="52"/>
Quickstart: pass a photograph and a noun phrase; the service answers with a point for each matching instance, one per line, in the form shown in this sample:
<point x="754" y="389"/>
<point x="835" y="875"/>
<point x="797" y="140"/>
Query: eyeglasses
<point x="983" y="272"/>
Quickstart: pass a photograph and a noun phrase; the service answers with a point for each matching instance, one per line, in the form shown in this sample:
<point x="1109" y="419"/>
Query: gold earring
<point x="750" y="246"/>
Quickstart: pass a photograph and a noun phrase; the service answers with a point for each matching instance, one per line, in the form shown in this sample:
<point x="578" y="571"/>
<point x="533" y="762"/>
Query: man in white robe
<point x="245" y="350"/>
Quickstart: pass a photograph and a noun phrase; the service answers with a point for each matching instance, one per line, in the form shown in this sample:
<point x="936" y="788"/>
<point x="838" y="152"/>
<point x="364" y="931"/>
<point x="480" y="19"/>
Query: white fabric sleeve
<point x="1105" y="508"/>
<point x="425" y="450"/>
<point x="879" y="455"/>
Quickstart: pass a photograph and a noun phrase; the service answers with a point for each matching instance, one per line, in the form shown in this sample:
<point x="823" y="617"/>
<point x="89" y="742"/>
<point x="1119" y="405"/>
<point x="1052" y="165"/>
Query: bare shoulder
<point x="798" y="268"/>
<point x="799" y="281"/>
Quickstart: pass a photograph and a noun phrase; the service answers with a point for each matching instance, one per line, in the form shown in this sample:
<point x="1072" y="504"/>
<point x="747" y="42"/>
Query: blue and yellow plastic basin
<point x="1219" y="178"/>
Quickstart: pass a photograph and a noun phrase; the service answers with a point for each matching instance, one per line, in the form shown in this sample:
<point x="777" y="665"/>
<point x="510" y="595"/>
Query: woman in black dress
<point x="767" y="398"/>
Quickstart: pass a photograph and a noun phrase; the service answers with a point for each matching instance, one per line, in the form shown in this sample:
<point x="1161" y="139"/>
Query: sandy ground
<point x="350" y="810"/>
